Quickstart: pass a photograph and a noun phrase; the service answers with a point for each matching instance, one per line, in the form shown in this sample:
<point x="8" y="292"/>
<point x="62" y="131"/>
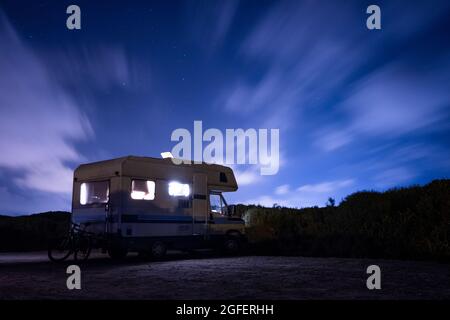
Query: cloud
<point x="209" y="22"/>
<point x="305" y="196"/>
<point x="283" y="32"/>
<point x="300" y="69"/>
<point x="396" y="100"/>
<point x="227" y="12"/>
<point x="337" y="74"/>
<point x="391" y="102"/>
<point x="325" y="187"/>
<point x="247" y="177"/>
<point x="429" y="155"/>
<point x="394" y="177"/>
<point x="269" y="201"/>
<point x="32" y="202"/>
<point x="337" y="86"/>
<point x="255" y="97"/>
<point x="99" y="67"/>
<point x="40" y="120"/>
<point x="332" y="139"/>
<point x="283" y="189"/>
<point x="270" y="101"/>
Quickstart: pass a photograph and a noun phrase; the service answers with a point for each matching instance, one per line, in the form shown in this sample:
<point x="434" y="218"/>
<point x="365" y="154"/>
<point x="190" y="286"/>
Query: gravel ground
<point x="31" y="276"/>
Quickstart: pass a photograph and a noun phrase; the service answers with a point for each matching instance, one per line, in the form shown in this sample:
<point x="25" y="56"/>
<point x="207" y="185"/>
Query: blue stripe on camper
<point x="130" y="218"/>
<point x="146" y="218"/>
<point x="88" y="217"/>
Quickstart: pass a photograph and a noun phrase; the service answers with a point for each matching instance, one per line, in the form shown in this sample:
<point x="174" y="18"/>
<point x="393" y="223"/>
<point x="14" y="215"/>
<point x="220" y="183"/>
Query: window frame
<point x="182" y="195"/>
<point x="141" y="179"/>
<point x="95" y="204"/>
<point x="223" y="177"/>
<point x="223" y="203"/>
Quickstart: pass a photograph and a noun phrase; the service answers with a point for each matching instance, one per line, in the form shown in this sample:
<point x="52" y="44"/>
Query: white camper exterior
<point x="148" y="204"/>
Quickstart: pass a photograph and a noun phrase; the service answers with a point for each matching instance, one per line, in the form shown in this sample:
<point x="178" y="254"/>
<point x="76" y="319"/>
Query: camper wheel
<point x="232" y="243"/>
<point x="158" y="249"/>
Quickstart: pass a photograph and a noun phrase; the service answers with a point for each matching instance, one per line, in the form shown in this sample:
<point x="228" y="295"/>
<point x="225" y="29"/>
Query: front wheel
<point x="60" y="249"/>
<point x="232" y="245"/>
<point x="158" y="249"/>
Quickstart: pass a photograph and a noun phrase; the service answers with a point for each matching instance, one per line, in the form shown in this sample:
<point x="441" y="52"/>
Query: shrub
<point x="412" y="223"/>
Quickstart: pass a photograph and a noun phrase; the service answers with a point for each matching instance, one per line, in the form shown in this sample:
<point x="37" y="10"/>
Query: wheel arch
<point x="233" y="233"/>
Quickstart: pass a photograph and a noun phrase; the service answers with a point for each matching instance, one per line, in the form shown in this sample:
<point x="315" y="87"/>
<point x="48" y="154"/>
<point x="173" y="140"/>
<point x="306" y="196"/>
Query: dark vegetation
<point x="27" y="233"/>
<point x="406" y="223"/>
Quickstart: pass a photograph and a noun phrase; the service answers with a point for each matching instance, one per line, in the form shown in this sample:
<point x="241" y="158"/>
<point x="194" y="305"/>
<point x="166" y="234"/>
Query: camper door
<point x="89" y="203"/>
<point x="93" y="205"/>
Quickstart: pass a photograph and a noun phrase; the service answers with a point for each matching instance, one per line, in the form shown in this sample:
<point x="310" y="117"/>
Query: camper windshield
<point x="94" y="192"/>
<point x="217" y="203"/>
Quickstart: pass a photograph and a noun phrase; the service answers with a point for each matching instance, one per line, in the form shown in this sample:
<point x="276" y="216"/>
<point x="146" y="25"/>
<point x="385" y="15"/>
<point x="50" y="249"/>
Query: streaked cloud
<point x="332" y="139"/>
<point x="396" y="100"/>
<point x="210" y="21"/>
<point x="269" y="201"/>
<point x="99" y="67"/>
<point x="283" y="189"/>
<point x="307" y="195"/>
<point x="247" y="176"/>
<point x="393" y="177"/>
<point x="328" y="186"/>
<point x="44" y="107"/>
<point x="39" y="118"/>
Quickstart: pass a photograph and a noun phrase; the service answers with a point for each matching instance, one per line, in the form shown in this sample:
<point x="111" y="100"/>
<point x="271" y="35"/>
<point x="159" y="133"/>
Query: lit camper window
<point x="142" y="190"/>
<point x="179" y="189"/>
<point x="94" y="192"/>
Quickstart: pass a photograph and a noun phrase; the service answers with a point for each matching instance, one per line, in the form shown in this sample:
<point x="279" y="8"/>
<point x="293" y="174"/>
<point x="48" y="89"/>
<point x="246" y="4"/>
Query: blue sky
<point x="357" y="109"/>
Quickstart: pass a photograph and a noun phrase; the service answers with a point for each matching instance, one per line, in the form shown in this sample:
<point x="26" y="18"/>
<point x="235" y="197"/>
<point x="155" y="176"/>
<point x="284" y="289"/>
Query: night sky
<point x="356" y="108"/>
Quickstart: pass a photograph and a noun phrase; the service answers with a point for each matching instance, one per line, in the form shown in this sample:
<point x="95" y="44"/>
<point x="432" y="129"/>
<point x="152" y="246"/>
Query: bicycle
<point x="77" y="242"/>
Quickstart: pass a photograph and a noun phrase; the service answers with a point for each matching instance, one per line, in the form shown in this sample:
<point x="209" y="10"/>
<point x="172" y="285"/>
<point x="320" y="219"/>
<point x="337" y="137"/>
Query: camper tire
<point x="117" y="253"/>
<point x="232" y="244"/>
<point x="158" y="249"/>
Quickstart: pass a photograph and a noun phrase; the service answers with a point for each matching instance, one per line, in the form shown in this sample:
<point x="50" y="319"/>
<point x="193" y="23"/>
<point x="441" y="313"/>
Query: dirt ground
<point x="204" y="276"/>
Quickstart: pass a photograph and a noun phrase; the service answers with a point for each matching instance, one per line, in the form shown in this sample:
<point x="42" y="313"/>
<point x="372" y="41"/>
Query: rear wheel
<point x="60" y="249"/>
<point x="158" y="249"/>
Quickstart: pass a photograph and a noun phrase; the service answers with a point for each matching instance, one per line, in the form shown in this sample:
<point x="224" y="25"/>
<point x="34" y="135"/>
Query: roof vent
<point x="166" y="155"/>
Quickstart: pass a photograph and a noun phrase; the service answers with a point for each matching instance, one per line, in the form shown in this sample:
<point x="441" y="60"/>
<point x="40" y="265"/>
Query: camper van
<point x="149" y="205"/>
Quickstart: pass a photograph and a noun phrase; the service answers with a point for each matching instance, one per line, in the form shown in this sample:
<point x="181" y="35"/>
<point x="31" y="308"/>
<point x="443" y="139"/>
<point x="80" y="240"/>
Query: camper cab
<point x="146" y="204"/>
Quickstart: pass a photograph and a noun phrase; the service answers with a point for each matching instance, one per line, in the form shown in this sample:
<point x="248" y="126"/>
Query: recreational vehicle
<point x="148" y="205"/>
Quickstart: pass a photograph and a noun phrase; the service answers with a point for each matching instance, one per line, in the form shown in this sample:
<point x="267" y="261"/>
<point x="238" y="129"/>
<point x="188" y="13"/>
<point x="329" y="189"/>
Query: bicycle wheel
<point x="83" y="248"/>
<point x="60" y="249"/>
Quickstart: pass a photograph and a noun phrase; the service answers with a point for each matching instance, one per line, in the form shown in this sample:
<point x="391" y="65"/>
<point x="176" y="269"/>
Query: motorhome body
<point x="149" y="204"/>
